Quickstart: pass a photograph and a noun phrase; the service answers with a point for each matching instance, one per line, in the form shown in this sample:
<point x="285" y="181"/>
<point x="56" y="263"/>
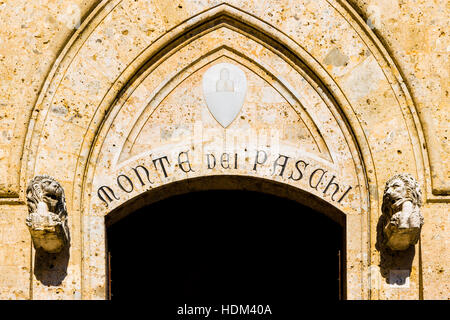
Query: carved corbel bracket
<point x="402" y="219"/>
<point x="47" y="219"/>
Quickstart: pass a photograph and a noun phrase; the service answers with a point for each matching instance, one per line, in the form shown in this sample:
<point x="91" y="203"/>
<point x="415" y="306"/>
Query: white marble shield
<point x="224" y="87"/>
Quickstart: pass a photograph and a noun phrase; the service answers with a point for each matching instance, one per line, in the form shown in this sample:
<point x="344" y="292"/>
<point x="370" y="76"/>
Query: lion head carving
<point x="402" y="186"/>
<point x="399" y="189"/>
<point x="46" y="189"/>
<point x="47" y="219"/>
<point x="402" y="200"/>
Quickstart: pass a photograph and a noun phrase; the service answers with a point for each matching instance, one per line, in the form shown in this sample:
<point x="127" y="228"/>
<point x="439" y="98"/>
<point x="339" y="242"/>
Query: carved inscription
<point x="283" y="166"/>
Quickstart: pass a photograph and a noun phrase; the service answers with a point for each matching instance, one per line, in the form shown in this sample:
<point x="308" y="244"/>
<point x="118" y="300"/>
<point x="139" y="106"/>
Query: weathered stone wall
<point x="404" y="117"/>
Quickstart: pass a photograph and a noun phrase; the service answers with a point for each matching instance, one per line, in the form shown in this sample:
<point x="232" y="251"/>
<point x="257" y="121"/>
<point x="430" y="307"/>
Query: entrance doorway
<point x="225" y="247"/>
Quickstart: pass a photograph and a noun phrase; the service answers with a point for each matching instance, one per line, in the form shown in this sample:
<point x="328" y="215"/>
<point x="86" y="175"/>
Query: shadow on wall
<point x="392" y="259"/>
<point x="51" y="268"/>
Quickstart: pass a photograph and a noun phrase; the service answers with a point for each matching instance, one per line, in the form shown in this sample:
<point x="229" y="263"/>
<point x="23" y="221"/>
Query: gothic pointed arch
<point x="129" y="94"/>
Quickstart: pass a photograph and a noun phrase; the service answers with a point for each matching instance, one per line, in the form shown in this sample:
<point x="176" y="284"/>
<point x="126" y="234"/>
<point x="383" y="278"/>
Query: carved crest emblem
<point x="224" y="88"/>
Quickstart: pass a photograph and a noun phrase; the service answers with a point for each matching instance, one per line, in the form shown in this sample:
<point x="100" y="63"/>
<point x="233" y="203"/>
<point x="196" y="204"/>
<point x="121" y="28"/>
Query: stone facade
<point x="109" y="99"/>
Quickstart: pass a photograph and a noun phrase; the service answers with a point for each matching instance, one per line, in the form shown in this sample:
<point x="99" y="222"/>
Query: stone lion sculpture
<point x="403" y="220"/>
<point x="47" y="219"/>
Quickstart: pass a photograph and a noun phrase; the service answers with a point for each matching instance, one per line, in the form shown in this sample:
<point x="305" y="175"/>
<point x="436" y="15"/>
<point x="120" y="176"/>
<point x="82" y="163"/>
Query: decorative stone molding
<point x="132" y="87"/>
<point x="403" y="220"/>
<point x="47" y="219"/>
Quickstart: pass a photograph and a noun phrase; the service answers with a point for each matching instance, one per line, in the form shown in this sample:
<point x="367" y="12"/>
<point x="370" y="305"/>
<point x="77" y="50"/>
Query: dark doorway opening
<point x="225" y="247"/>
